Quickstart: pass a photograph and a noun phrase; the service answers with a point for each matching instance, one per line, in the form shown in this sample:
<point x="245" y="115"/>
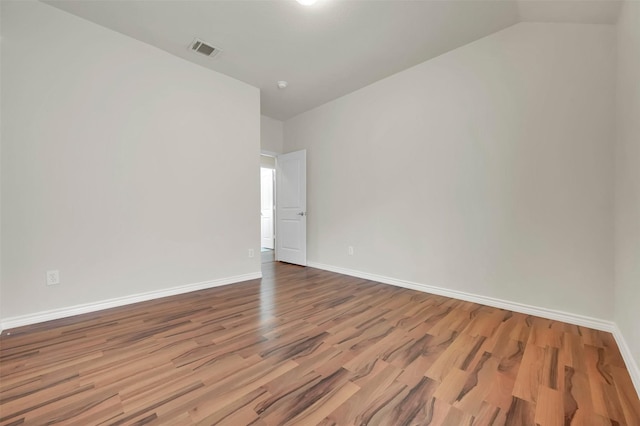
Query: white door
<point x="291" y="208"/>
<point x="266" y="207"/>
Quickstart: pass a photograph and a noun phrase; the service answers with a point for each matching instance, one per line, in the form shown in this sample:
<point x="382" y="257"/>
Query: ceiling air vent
<point x="203" y="48"/>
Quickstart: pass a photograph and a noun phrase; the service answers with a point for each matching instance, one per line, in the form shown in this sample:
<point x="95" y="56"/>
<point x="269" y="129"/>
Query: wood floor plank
<point x="629" y="402"/>
<point x="501" y="391"/>
<point x="475" y="392"/>
<point x="489" y="416"/>
<point x="306" y="346"/>
<point x="350" y="410"/>
<point x="529" y="379"/>
<point x="550" y="407"/>
<point x="521" y="412"/>
<point x="452" y="385"/>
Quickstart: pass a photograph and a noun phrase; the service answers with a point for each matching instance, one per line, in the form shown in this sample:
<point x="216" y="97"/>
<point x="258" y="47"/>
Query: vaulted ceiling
<point x="326" y="50"/>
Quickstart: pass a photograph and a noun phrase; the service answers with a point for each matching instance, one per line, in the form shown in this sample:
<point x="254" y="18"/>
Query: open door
<point x="266" y="208"/>
<point x="291" y="208"/>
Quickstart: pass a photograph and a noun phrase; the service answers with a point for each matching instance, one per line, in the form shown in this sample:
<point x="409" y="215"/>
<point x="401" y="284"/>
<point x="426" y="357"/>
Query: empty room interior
<point x="320" y="212"/>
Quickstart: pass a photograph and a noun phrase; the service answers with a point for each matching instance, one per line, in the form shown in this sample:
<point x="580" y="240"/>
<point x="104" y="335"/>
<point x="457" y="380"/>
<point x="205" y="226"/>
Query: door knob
<point x="302" y="213"/>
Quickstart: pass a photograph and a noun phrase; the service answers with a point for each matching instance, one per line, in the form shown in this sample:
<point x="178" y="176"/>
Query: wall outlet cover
<point x="53" y="277"/>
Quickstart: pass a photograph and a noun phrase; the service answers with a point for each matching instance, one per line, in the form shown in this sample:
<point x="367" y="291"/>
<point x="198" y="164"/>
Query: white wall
<point x="271" y="138"/>
<point x="627" y="180"/>
<point x="1" y="44"/>
<point x="124" y="167"/>
<point x="486" y="170"/>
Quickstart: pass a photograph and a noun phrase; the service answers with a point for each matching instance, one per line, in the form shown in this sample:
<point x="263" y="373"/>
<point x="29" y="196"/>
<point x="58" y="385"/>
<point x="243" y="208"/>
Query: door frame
<point x="274" y="155"/>
<point x="268" y="177"/>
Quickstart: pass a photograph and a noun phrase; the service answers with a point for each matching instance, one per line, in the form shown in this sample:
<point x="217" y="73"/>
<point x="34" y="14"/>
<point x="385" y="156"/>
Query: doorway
<point x="283" y="209"/>
<point x="267" y="208"/>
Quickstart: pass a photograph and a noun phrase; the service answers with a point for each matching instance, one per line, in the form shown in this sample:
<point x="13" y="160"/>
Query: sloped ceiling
<point x="329" y="49"/>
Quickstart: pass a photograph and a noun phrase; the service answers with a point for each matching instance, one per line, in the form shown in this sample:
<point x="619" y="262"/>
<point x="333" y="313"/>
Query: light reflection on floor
<point x="267" y="291"/>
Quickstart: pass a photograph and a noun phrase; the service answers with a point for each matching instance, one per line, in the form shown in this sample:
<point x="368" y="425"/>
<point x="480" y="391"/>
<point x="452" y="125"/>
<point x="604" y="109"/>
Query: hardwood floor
<point x="305" y="346"/>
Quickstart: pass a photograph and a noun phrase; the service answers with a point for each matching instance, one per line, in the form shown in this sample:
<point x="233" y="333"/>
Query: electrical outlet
<point x="251" y="253"/>
<point x="350" y="250"/>
<point x="53" y="277"/>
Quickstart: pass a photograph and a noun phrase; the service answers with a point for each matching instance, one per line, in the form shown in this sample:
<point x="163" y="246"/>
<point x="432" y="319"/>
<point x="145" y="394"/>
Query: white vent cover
<point x="203" y="48"/>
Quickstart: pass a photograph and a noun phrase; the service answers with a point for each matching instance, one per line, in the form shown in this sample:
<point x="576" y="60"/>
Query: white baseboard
<point x="632" y="365"/>
<point x="581" y="320"/>
<point x="19" y="321"/>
